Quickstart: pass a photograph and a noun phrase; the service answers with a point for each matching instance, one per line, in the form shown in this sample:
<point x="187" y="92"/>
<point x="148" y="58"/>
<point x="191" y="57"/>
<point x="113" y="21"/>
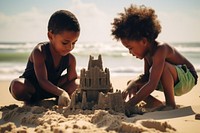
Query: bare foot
<point x="155" y="108"/>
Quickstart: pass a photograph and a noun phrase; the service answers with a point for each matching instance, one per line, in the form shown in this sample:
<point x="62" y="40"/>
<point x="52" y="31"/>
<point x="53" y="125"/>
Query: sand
<point x="48" y="117"/>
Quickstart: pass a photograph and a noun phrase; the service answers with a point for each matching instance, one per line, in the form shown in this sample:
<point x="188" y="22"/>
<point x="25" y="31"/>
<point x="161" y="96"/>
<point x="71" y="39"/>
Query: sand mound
<point x="51" y="118"/>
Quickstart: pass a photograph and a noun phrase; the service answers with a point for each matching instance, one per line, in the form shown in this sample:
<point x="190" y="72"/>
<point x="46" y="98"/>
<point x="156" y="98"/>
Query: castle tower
<point x="98" y="63"/>
<point x="95" y="79"/>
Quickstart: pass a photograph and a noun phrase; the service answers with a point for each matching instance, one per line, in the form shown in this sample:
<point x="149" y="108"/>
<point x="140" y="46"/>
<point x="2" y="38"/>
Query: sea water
<point x="14" y="56"/>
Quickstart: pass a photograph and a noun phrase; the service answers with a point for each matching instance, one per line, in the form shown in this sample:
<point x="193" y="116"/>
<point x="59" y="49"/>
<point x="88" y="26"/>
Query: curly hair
<point x="63" y="20"/>
<point x="135" y="23"/>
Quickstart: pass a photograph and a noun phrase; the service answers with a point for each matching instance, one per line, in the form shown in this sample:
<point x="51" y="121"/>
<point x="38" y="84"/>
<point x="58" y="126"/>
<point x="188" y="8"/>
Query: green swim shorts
<point x="186" y="81"/>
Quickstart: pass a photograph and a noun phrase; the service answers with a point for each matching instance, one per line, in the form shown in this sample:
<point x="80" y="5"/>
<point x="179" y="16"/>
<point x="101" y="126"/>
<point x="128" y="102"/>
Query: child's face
<point x="64" y="42"/>
<point x="136" y="48"/>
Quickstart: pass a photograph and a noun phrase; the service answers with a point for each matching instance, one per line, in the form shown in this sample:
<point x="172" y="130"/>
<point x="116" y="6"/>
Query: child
<point x="42" y="77"/>
<point x="165" y="68"/>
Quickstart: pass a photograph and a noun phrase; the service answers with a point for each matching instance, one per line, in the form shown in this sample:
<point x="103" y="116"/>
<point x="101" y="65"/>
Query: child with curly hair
<point x="165" y="69"/>
<point x="43" y="76"/>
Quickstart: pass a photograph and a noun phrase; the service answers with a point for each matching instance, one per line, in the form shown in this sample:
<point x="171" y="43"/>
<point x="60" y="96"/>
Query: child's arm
<point x="154" y="77"/>
<point x="71" y="74"/>
<point x="135" y="85"/>
<point x="146" y="66"/>
<point x="42" y="76"/>
<point x="68" y="81"/>
<point x="38" y="60"/>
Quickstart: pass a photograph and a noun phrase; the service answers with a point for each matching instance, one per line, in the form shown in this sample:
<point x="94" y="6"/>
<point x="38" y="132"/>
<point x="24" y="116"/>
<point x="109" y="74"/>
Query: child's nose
<point x="71" y="46"/>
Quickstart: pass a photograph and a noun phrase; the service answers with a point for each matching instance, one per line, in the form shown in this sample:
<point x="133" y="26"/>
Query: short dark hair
<point x="135" y="23"/>
<point x="63" y="20"/>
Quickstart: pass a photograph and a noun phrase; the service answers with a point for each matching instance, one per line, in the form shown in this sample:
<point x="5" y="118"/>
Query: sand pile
<point x="48" y="117"/>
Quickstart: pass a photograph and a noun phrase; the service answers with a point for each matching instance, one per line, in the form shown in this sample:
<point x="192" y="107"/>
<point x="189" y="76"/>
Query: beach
<point x="107" y="33"/>
<point x="47" y="117"/>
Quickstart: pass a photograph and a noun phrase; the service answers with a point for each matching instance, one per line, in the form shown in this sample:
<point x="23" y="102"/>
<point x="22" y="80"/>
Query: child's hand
<point x="130" y="109"/>
<point x="133" y="86"/>
<point x="128" y="92"/>
<point x="64" y="99"/>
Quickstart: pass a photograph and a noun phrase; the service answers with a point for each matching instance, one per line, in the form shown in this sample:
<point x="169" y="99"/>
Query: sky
<point x="26" y="20"/>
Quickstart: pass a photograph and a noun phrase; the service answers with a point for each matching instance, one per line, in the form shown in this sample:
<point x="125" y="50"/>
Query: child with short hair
<point x="165" y="68"/>
<point x="43" y="77"/>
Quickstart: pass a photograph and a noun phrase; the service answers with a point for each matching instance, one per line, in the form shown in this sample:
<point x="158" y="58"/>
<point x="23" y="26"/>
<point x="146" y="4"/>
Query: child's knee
<point x="166" y="66"/>
<point x="16" y="88"/>
<point x="169" y="69"/>
<point x="13" y="85"/>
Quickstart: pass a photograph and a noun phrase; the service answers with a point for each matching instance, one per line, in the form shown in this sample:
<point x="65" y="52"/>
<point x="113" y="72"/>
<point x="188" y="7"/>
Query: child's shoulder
<point x="39" y="50"/>
<point x="163" y="46"/>
<point x="41" y="47"/>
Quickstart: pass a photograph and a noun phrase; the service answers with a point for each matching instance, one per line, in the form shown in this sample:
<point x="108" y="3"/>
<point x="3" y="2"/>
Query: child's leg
<point x="21" y="89"/>
<point x="153" y="103"/>
<point x="169" y="78"/>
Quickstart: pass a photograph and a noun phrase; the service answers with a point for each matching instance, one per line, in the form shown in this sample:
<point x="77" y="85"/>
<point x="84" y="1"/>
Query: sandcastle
<point x="96" y="91"/>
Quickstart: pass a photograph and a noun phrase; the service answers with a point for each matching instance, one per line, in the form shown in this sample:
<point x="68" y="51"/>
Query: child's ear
<point x="144" y="40"/>
<point x="50" y="35"/>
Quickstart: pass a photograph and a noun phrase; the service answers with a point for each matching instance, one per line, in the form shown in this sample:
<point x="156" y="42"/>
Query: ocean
<point x="14" y="56"/>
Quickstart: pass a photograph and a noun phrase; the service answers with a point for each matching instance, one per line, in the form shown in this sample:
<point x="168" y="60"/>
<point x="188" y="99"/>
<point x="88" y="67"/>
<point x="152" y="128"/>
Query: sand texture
<point x="47" y="117"/>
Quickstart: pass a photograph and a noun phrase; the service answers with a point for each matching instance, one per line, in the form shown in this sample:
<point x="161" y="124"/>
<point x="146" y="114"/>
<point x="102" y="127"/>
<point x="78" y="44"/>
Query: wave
<point x="13" y="57"/>
<point x="17" y="47"/>
<point x="106" y="48"/>
<point x="9" y="71"/>
<point x="188" y="49"/>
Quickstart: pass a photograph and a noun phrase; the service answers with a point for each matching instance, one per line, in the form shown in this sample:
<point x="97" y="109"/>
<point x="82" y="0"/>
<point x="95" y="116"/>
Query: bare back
<point x="166" y="53"/>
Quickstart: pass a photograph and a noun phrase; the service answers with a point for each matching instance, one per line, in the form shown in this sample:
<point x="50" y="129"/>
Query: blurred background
<point x="23" y="24"/>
